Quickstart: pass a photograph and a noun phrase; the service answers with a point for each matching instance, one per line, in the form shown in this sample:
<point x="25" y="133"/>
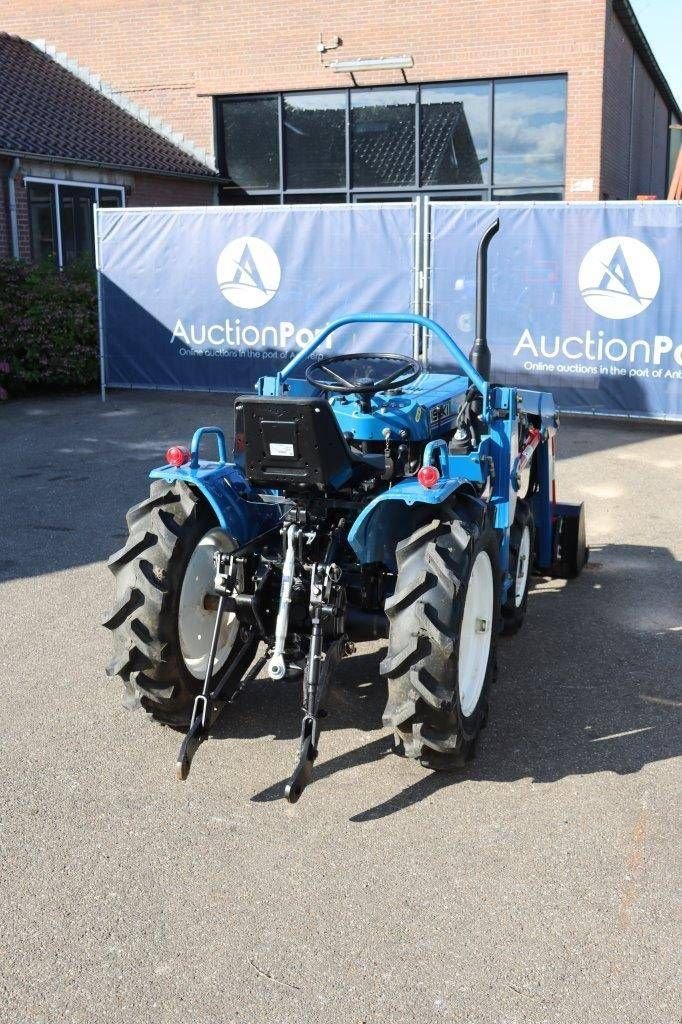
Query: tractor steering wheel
<point x="362" y="374"/>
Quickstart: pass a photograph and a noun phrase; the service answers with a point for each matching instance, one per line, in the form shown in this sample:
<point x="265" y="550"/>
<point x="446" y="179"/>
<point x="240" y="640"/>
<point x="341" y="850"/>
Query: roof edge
<point x="156" y="125"/>
<point x="628" y="18"/>
<point x="53" y="158"/>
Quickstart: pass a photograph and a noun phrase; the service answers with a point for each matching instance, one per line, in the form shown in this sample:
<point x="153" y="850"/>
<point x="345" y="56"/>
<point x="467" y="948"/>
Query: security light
<point x="372" y="64"/>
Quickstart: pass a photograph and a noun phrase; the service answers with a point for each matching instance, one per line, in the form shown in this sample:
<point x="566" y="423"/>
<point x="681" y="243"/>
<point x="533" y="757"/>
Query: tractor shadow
<point x="591" y="684"/>
<point x="355" y="700"/>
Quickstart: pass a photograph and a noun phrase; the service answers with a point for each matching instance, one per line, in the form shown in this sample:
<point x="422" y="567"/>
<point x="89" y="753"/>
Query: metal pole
<point x="416" y="276"/>
<point x="426" y="274"/>
<point x="100" y="314"/>
<point x="12" y="202"/>
<point x="58" y="222"/>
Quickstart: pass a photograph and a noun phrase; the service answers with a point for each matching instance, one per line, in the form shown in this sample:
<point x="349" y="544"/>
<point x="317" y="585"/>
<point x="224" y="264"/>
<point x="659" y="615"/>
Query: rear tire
<point x="158" y="668"/>
<point x="444" y="619"/>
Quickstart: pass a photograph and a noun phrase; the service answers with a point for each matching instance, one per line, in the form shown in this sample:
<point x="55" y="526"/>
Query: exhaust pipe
<point x="479" y="356"/>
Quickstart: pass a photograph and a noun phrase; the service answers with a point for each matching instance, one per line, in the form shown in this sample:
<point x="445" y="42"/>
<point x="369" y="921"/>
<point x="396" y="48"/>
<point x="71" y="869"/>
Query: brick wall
<point x="170" y="57"/>
<point x="152" y="190"/>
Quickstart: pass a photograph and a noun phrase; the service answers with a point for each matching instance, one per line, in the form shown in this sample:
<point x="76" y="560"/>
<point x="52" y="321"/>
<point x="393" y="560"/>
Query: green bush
<point x="48" y="327"/>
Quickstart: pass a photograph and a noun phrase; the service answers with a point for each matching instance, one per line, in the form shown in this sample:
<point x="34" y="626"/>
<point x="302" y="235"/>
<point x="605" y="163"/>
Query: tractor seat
<point x="293" y="443"/>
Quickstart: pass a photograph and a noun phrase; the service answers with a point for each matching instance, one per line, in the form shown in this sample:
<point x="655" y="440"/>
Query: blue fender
<point x="390" y="517"/>
<point x="239" y="509"/>
<point x="237" y="506"/>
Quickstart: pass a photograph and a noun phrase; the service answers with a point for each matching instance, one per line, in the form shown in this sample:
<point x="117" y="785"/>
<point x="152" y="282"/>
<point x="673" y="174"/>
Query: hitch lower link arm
<point x="209" y="703"/>
<point x="325" y="596"/>
<point x="276" y="666"/>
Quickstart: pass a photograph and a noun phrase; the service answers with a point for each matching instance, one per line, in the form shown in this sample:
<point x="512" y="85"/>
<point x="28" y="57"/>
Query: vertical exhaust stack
<point x="480" y="353"/>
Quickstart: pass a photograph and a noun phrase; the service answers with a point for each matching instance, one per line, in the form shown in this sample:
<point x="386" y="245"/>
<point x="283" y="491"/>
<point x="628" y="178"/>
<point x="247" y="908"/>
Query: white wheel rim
<point x="476" y="633"/>
<point x="522" y="567"/>
<point x="195" y="622"/>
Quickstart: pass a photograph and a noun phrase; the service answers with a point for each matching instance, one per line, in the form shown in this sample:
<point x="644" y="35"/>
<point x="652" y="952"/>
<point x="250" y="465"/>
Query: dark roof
<point x="46" y="111"/>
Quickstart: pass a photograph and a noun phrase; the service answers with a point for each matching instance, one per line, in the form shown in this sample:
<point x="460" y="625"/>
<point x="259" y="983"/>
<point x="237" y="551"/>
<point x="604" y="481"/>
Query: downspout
<point x="12" y="203"/>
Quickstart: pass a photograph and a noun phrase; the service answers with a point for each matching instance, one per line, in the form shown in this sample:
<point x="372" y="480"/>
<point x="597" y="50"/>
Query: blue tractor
<point x="365" y="498"/>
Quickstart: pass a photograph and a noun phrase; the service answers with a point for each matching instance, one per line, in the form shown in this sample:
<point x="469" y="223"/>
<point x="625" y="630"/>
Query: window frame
<point x="53" y="214"/>
<point x="252" y="195"/>
<point x="56" y="214"/>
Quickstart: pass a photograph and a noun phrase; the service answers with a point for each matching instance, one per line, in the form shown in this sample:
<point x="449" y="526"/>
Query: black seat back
<point x="291" y="443"/>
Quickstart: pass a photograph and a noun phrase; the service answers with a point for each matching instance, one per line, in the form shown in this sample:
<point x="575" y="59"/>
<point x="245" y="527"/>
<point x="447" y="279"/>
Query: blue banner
<point x="584" y="299"/>
<point x="213" y="298"/>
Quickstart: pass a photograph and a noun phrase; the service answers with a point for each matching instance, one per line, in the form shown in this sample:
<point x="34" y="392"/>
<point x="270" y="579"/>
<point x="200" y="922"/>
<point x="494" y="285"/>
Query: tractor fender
<point x="390" y="516"/>
<point x="239" y="508"/>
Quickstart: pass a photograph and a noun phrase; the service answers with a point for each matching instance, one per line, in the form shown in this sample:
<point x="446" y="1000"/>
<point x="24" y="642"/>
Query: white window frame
<point x="56" y="182"/>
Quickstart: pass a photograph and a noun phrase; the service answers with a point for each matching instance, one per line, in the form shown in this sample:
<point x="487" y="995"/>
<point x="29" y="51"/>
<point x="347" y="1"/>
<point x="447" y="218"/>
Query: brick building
<point x="313" y="101"/>
<point x="65" y="143"/>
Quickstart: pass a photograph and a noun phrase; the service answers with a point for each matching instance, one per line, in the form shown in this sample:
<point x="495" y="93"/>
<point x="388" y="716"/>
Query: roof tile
<point x="45" y="110"/>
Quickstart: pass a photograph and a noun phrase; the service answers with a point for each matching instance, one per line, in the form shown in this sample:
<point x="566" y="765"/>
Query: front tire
<point x="161" y="624"/>
<point x="444" y="619"/>
<point x="521" y="550"/>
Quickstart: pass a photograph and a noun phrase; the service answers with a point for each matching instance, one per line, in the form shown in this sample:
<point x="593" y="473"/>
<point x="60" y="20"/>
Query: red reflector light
<point x="428" y="476"/>
<point x="177" y="455"/>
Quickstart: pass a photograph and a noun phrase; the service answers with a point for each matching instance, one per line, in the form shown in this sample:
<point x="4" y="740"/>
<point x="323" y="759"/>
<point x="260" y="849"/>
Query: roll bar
<point x="392" y="318"/>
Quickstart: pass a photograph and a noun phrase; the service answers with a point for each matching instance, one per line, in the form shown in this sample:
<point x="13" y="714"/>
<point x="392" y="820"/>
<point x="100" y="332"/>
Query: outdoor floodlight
<point x="372" y="64"/>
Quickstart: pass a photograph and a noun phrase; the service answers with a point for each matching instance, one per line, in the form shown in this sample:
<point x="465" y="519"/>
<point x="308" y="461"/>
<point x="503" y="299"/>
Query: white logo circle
<point x="248" y="272"/>
<point x="619" y="277"/>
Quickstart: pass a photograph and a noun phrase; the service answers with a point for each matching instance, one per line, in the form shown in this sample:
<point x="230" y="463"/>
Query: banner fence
<point x="213" y="298"/>
<point x="583" y="298"/>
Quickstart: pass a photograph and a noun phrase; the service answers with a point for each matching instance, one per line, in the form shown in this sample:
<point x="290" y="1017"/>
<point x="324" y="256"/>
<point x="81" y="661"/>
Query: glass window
<point x="388" y="197"/>
<point x="529" y="131"/>
<point x="528" y="195"/>
<point x="74" y="207"/>
<point x="383" y="137"/>
<point x="42" y="221"/>
<point x="236" y="197"/>
<point x="76" y="221"/>
<point x="109" y="198"/>
<point x="315" y="140"/>
<point x="507" y="135"/>
<point x="251" y="140"/>
<point x="315" y="197"/>
<point x="458" y="197"/>
<point x="455" y="128"/>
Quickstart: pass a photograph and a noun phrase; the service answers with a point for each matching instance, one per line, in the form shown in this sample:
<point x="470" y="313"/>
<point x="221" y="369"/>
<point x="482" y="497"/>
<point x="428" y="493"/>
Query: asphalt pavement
<point x="540" y="885"/>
